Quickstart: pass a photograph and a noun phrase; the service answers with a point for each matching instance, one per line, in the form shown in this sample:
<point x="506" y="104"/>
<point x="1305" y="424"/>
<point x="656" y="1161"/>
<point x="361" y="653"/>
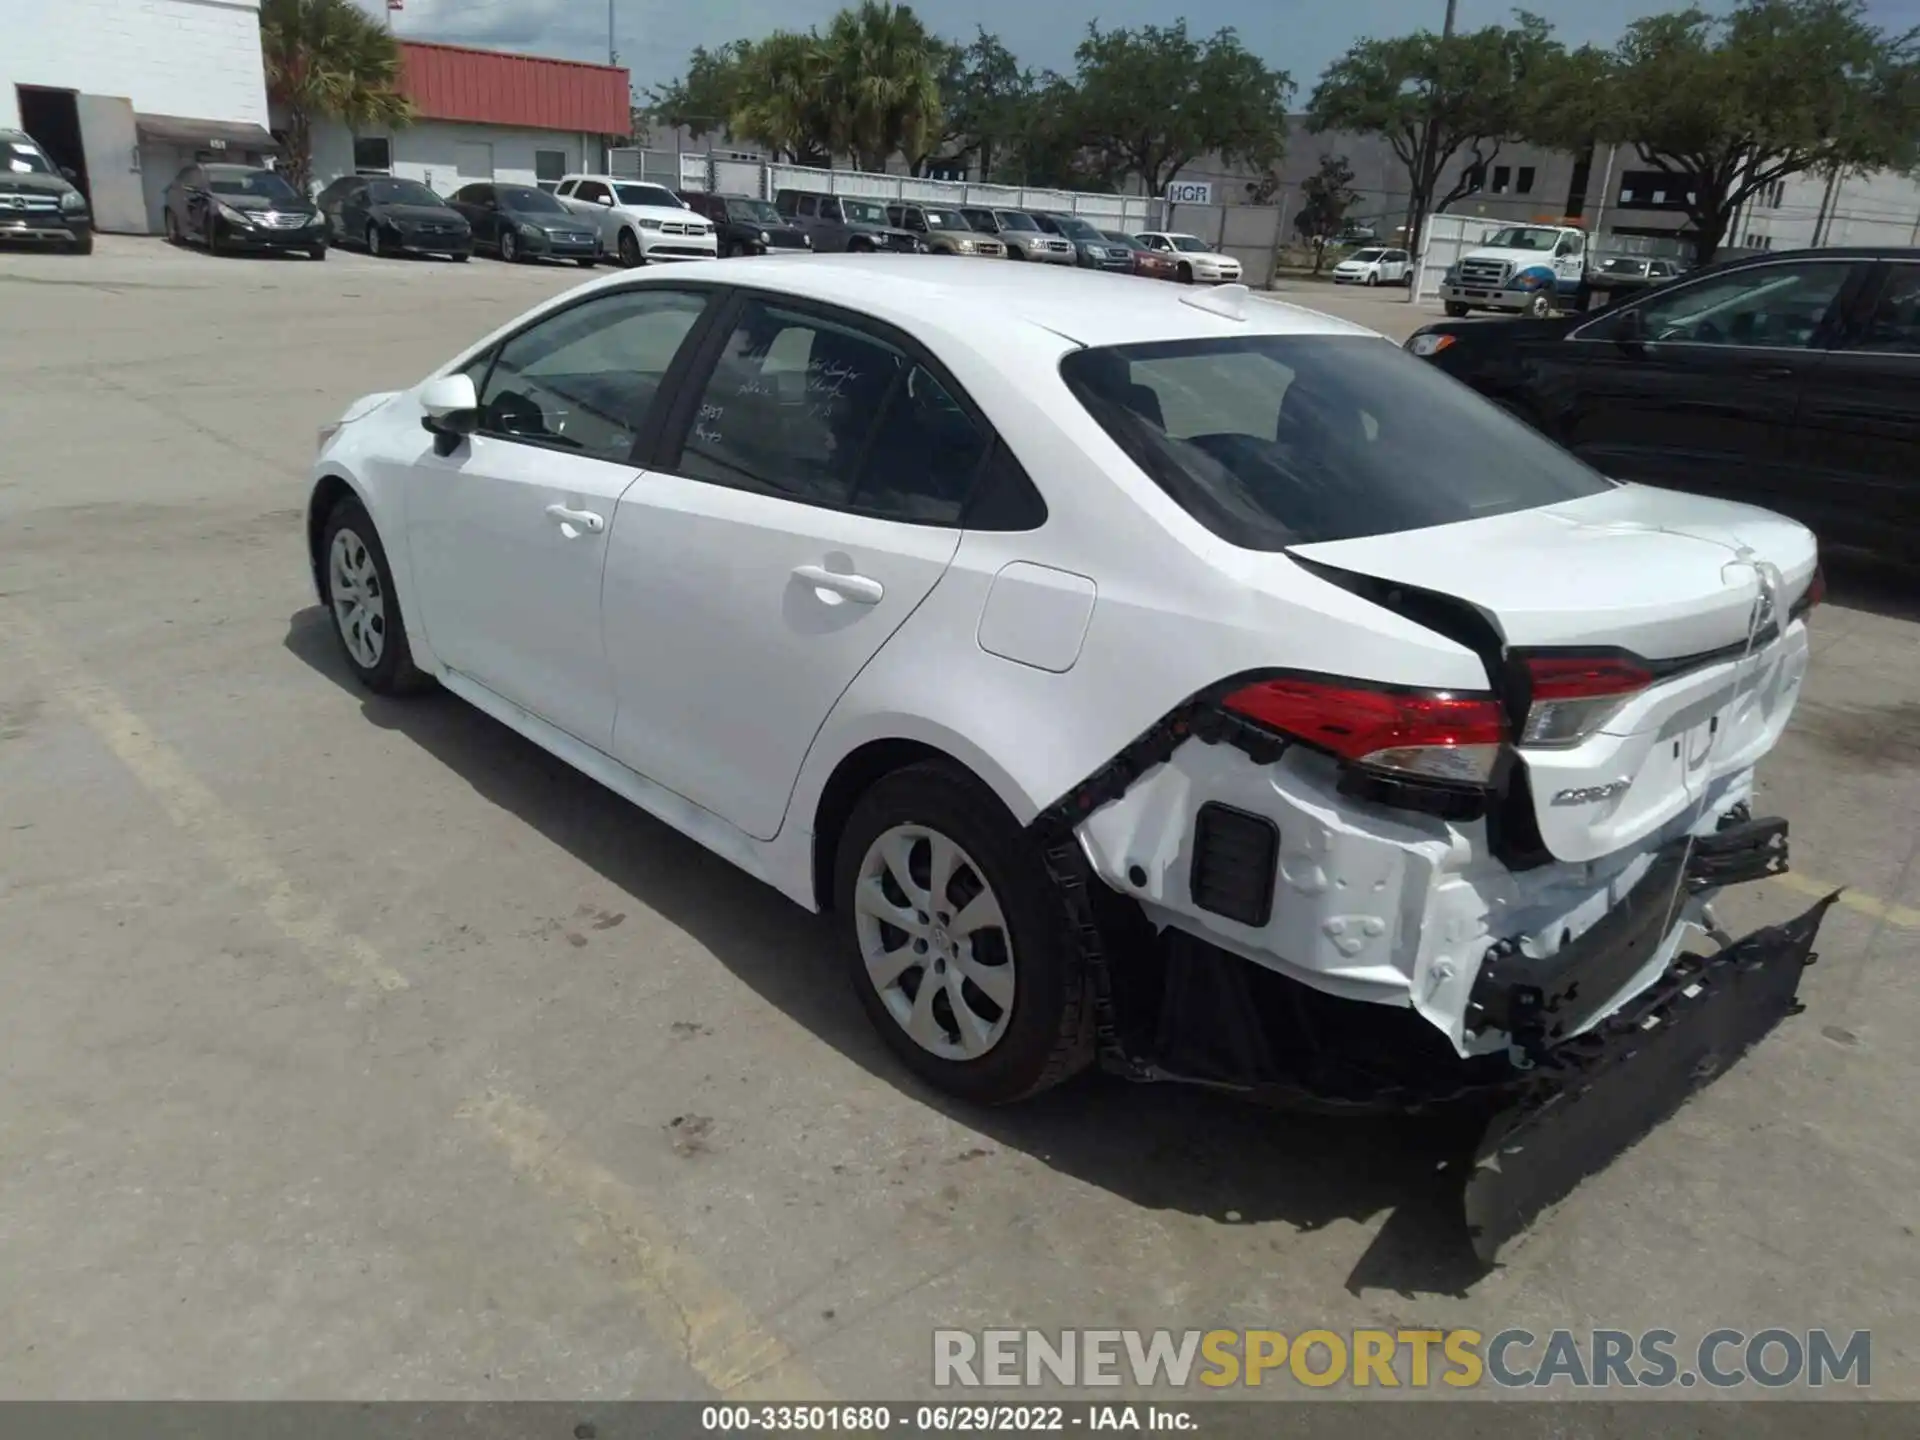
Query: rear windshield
<point x="1277" y="440"/>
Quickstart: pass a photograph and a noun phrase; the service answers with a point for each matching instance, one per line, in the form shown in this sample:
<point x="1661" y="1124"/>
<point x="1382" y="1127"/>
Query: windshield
<point x="1118" y="238"/>
<point x="263" y="184"/>
<point x="648" y="195"/>
<point x="1076" y="229"/>
<point x="531" y="202"/>
<point x="1014" y="220"/>
<point x="866" y="212"/>
<point x="944" y="219"/>
<point x="1522" y="237"/>
<point x="755" y="210"/>
<point x="402" y="192"/>
<point x="1191" y="245"/>
<point x="1278" y="440"/>
<point x="24" y="158"/>
<point x="1366" y="254"/>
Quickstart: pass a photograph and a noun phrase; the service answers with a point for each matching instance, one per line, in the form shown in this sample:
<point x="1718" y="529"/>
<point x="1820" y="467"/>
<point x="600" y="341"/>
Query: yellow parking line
<point x="719" y="1339"/>
<point x="713" y="1332"/>
<point x="342" y="956"/>
<point x="1858" y="900"/>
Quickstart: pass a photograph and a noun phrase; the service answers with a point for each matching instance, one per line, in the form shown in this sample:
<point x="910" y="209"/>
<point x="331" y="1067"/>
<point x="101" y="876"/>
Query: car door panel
<point x="1857" y="430"/>
<point x="508" y="533"/>
<point x="756" y="568"/>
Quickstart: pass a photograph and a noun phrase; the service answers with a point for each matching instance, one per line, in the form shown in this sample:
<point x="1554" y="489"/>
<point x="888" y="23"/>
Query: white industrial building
<point x="1882" y="208"/>
<point x="126" y="92"/>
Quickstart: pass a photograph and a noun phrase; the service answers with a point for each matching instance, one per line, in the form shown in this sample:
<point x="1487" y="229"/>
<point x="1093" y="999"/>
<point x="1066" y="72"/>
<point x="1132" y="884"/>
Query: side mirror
<point x="451" y="409"/>
<point x="72" y="175"/>
<point x="606" y="200"/>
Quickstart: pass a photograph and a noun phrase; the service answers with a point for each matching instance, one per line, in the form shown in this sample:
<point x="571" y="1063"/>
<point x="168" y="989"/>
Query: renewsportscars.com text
<point x="1392" y="1359"/>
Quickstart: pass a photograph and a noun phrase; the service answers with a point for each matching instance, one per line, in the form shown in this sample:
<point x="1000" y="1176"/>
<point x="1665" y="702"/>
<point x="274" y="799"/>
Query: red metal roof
<point x="489" y="87"/>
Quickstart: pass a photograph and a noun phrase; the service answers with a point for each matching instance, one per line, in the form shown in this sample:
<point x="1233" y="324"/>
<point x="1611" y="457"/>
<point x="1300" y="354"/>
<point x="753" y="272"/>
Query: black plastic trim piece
<point x="1235" y="856"/>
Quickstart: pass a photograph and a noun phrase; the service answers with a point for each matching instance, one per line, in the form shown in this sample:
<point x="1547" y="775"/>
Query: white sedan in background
<point x="640" y="224"/>
<point x="1375" y="266"/>
<point x="1127" y="678"/>
<point x="1197" y="260"/>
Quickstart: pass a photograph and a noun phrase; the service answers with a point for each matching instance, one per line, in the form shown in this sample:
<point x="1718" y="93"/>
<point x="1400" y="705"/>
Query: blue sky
<point x="654" y="37"/>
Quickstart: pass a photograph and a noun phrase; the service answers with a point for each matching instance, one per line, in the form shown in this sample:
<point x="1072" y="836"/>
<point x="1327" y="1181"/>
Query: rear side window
<point x="1278" y="440"/>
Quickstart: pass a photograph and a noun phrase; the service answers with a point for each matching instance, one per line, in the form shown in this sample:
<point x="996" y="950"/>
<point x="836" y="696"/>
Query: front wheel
<point x="629" y="247"/>
<point x="1373" y="278"/>
<point x="358" y="587"/>
<point x="171" y="226"/>
<point x="1539" y="306"/>
<point x="588" y="262"/>
<point x="83" y="243"/>
<point x="373" y="240"/>
<point x="1454" y="308"/>
<point x="1186" y="273"/>
<point x="317" y="252"/>
<point x="957" y="938"/>
<point x="509" y="247"/>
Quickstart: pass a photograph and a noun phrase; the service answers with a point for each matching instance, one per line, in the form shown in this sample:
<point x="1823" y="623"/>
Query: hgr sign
<point x="1190" y="192"/>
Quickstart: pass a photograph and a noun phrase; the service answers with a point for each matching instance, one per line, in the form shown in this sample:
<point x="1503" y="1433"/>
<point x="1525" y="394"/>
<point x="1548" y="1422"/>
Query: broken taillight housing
<point x="1433" y="735"/>
<point x="1574" y="695"/>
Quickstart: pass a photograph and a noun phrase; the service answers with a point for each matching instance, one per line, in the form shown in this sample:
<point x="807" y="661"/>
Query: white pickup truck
<point x="639" y="223"/>
<point x="1534" y="269"/>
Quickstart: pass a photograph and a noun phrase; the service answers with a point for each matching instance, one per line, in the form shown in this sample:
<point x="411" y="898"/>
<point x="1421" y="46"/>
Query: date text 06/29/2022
<point x="943" y="1419"/>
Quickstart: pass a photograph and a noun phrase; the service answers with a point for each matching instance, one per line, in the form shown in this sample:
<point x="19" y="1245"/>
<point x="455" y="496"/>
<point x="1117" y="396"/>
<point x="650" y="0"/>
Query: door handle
<point x="572" y="522"/>
<point x="857" y="588"/>
<point x="1775" y="372"/>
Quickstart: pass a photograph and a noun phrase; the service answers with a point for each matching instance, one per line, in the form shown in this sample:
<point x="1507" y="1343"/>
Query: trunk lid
<point x="1677" y="581"/>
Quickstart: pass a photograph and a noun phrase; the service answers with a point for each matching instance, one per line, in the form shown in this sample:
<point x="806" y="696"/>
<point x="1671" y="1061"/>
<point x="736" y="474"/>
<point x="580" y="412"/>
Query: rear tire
<point x="171" y="227"/>
<point x="357" y="585"/>
<point x="629" y="248"/>
<point x="971" y="1045"/>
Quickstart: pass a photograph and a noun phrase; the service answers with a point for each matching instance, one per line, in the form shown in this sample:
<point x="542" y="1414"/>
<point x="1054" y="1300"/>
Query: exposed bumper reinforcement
<point x="1601" y="1091"/>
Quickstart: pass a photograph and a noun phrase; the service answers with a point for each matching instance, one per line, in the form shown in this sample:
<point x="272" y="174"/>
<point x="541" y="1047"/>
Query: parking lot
<point x="359" y="1048"/>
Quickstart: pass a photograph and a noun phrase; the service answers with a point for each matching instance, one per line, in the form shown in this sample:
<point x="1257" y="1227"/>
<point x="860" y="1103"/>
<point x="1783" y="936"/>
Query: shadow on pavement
<point x="1161" y="1147"/>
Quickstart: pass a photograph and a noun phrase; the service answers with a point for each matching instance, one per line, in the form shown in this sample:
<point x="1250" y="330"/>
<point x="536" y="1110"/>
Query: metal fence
<point x="763" y="179"/>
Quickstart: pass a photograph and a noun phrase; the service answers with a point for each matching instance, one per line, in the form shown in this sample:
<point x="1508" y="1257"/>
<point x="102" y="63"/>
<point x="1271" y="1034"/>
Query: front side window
<point x="864" y="212"/>
<point x="584" y="380"/>
<point x="1278" y="440"/>
<point x="1776" y="306"/>
<point x="805" y="408"/>
<point x="1191" y="245"/>
<point x="752" y="212"/>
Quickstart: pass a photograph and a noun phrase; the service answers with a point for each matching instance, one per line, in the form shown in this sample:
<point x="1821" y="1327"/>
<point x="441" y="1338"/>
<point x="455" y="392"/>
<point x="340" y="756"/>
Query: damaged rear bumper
<point x="1591" y="1098"/>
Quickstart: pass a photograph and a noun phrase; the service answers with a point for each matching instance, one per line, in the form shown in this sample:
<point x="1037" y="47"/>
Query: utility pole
<point x="1452" y="7"/>
<point x="613" y="54"/>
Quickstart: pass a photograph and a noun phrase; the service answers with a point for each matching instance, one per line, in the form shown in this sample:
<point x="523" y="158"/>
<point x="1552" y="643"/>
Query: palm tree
<point x="883" y="82"/>
<point x="780" y="100"/>
<point x="327" y="59"/>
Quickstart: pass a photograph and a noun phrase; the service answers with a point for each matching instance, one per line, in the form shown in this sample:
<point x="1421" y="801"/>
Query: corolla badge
<point x="1592" y="794"/>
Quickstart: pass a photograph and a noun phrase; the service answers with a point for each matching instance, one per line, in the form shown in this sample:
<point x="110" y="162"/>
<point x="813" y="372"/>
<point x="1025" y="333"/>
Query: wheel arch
<point x="329" y="489"/>
<point x="865" y="763"/>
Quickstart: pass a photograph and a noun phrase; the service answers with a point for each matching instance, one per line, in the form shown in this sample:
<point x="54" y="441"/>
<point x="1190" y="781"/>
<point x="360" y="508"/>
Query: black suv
<point x="38" y="200"/>
<point x="745" y="226"/>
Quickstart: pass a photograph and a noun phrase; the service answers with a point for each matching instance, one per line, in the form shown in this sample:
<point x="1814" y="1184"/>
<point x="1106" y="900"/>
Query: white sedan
<point x="1123" y="674"/>
<point x="1196" y="260"/>
<point x="1375" y="265"/>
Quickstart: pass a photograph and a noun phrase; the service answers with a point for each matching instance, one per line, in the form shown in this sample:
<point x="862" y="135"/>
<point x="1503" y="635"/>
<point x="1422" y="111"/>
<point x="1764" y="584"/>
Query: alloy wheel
<point x="629" y="249"/>
<point x="373" y="239"/>
<point x="935" y="942"/>
<point x="509" y="250"/>
<point x="359" y="604"/>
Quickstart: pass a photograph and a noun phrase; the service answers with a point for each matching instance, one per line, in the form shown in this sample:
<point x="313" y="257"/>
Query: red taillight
<point x="1816" y="590"/>
<point x="1440" y="736"/>
<point x="1573" y="695"/>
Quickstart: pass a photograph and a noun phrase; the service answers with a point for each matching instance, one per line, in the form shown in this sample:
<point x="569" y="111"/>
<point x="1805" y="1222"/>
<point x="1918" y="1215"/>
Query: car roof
<point x="974" y="302"/>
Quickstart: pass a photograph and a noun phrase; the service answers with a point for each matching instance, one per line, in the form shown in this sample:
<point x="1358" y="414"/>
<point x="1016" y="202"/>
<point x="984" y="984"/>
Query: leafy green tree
<point x="983" y="96"/>
<point x="1325" y="197"/>
<point x="1436" y="100"/>
<point x="782" y="99"/>
<point x="703" y="100"/>
<point x="882" y="82"/>
<point x="1773" y="89"/>
<point x="328" y="60"/>
<point x="1156" y="99"/>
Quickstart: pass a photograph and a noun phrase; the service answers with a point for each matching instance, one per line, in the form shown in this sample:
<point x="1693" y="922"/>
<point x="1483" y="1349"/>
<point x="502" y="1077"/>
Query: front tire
<point x="83" y="243"/>
<point x="957" y="939"/>
<point x="1186" y="273"/>
<point x="629" y="247"/>
<point x="317" y="252"/>
<point x="373" y="241"/>
<point x="171" y="226"/>
<point x="1454" y="308"/>
<point x="509" y="247"/>
<point x="1539" y="306"/>
<point x="587" y="263"/>
<point x="357" y="584"/>
<point x="1373" y="278"/>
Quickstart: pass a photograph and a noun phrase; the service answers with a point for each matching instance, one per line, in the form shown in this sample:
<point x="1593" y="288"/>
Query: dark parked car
<point x="1150" y="264"/>
<point x="393" y="217"/>
<point x="38" y="199"/>
<point x="745" y="226"/>
<point x="1790" y="380"/>
<point x="240" y="207"/>
<point x="523" y="222"/>
<point x="1613" y="280"/>
<point x="845" y="222"/>
<point x="1091" y="249"/>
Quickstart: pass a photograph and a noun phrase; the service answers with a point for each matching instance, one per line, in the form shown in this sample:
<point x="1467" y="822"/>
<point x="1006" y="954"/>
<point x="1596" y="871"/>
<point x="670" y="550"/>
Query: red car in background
<point x="1150" y="263"/>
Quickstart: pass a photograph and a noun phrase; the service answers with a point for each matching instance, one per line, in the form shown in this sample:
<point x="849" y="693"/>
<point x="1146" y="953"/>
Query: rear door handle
<point x="1775" y="372"/>
<point x="572" y="522"/>
<point x="857" y="588"/>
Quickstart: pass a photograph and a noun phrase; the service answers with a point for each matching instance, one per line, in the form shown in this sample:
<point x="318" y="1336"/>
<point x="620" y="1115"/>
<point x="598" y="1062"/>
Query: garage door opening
<point x="52" y="118"/>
